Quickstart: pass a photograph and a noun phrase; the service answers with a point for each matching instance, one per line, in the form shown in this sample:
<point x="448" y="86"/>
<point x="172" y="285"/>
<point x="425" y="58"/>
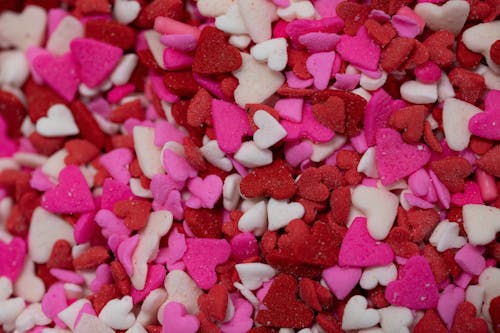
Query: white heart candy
<point x="231" y="191"/>
<point x="257" y="82"/>
<point x="215" y="156"/>
<point x="14" y="68"/>
<point x="395" y="319"/>
<point x="251" y="156"/>
<point x="213" y="8"/>
<point x="491" y="79"/>
<point x="258" y="15"/>
<point x="280" y="213"/>
<point x="272" y="51"/>
<point x="136" y="328"/>
<point x="126" y="11"/>
<point x="445" y="236"/>
<point x="480" y="37"/>
<point x="379" y="206"/>
<point x="451" y="16"/>
<point x="253" y="275"/>
<point x="357" y="316"/>
<point x="378" y="275"/>
<point x="488" y="280"/>
<point x="270" y="130"/>
<point x="182" y="289"/>
<point x="456" y="116"/>
<point x="10" y="310"/>
<point x="6" y="288"/>
<point x="59" y="122"/>
<point x="475" y="295"/>
<point x="68" y="29"/>
<point x="481" y="223"/>
<point x="419" y="93"/>
<point x="148" y="154"/>
<point x="323" y="150"/>
<point x="367" y="163"/>
<point x="117" y="313"/>
<point x="155" y="46"/>
<point x="231" y="22"/>
<point x="297" y="10"/>
<point x="45" y="230"/>
<point x="32" y="315"/>
<point x="370" y="83"/>
<point x="28" y="285"/>
<point x="146" y="248"/>
<point x="240" y="41"/>
<point x="445" y="88"/>
<point x="150" y="306"/>
<point x="23" y="30"/>
<point x="124" y="69"/>
<point x="69" y="315"/>
<point x="255" y="219"/>
<point x="91" y="323"/>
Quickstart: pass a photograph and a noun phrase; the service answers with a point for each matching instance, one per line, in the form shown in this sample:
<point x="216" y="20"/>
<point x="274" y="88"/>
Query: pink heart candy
<point x="470" y="259"/>
<point x="341" y="280"/>
<point x="71" y="195"/>
<point x="450" y="298"/>
<point x="116" y="162"/>
<point x="175" y="250"/>
<point x="154" y="279"/>
<point x="359" y="50"/>
<point x="177" y="166"/>
<point x="165" y="131"/>
<point x="244" y="246"/>
<point x="202" y="256"/>
<point x="114" y="191"/>
<point x="207" y="190"/>
<point x="86" y="229"/>
<point x="320" y="66"/>
<point x="290" y="108"/>
<point x="102" y="276"/>
<point x="175" y="60"/>
<point x="181" y="42"/>
<point x="60" y="73"/>
<point x="309" y="127"/>
<point x="297" y="28"/>
<point x="319" y="41"/>
<point x="175" y="319"/>
<point x="242" y="320"/>
<point x="230" y="125"/>
<point x="486" y="124"/>
<point x="415" y="287"/>
<point x="12" y="258"/>
<point x="296" y="152"/>
<point x="471" y="195"/>
<point x="86" y="309"/>
<point x="96" y="60"/>
<point x="359" y="249"/>
<point x="161" y="186"/>
<point x="396" y="159"/>
<point x="54" y="301"/>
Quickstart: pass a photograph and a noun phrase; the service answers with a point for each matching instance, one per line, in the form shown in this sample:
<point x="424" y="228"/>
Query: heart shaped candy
<point x="175" y="319"/>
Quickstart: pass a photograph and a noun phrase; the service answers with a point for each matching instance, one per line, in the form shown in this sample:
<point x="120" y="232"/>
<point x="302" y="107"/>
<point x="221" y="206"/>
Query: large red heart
<point x="490" y="162"/>
<point x="430" y="323"/>
<point x="214" y="303"/>
<point x="274" y="180"/>
<point x="134" y="212"/>
<point x="331" y="113"/>
<point x="451" y="171"/>
<point x="283" y="308"/>
<point x="465" y="320"/>
<point x="410" y="120"/>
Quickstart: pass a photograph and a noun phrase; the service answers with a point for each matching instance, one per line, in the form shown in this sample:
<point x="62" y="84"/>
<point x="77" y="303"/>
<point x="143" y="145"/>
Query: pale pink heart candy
<point x="54" y="301"/>
<point x="309" y="127"/>
<point x="71" y="195"/>
<point x="244" y="246"/>
<point x="65" y="275"/>
<point x="59" y="73"/>
<point x="293" y="81"/>
<point x="415" y="287"/>
<point x="180" y="42"/>
<point x="396" y="159"/>
<point x="320" y="66"/>
<point x="39" y="180"/>
<point x="110" y="224"/>
<point x="419" y="182"/>
<point x="442" y="191"/>
<point x="486" y="124"/>
<point x="346" y="81"/>
<point x="471" y="195"/>
<point x="12" y="258"/>
<point x="155" y="278"/>
<point x="202" y="256"/>
<point x="359" y="249"/>
<point x="406" y="25"/>
<point x="177" y="166"/>
<point x="208" y="190"/>
<point x="341" y="280"/>
<point x="417" y="202"/>
<point x="319" y="41"/>
<point x="174" y="204"/>
<point x="166" y="131"/>
<point x="116" y="162"/>
<point x="470" y="259"/>
<point x="175" y="250"/>
<point x="125" y="251"/>
<point x="290" y="108"/>
<point x="242" y="320"/>
<point x="175" y="60"/>
<point x="161" y="186"/>
<point x="359" y="50"/>
<point x="296" y="152"/>
<point x="114" y="191"/>
<point x="230" y="125"/>
<point x="96" y="59"/>
<point x="448" y="302"/>
<point x="175" y="319"/>
<point x="102" y="276"/>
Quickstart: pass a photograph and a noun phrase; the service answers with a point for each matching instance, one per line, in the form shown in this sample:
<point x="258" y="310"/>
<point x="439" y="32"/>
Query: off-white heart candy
<point x="149" y="309"/>
<point x="255" y="219"/>
<point x="59" y="122"/>
<point x="32" y="315"/>
<point x="45" y="230"/>
<point x="155" y="46"/>
<point x="89" y="323"/>
<point x="159" y="223"/>
<point x="367" y="163"/>
<point x="257" y="82"/>
<point x="297" y="10"/>
<point x="272" y="51"/>
<point x="270" y="130"/>
<point x="480" y="37"/>
<point x="182" y="289"/>
<point x="10" y="309"/>
<point x="148" y="154"/>
<point x="357" y="316"/>
<point x="323" y="150"/>
<point x="481" y="223"/>
<point x="6" y="288"/>
<point x="136" y="328"/>
<point x="124" y="69"/>
<point x="231" y="22"/>
<point x="456" y="117"/>
<point x="117" y="313"/>
<point x="451" y="16"/>
<point x="147" y="248"/>
<point x="280" y="213"/>
<point x="240" y="41"/>
<point x="475" y="294"/>
<point x="253" y="275"/>
<point x="445" y="236"/>
<point x="28" y="285"/>
<point x="379" y="206"/>
<point x="372" y="330"/>
<point x="491" y="79"/>
<point x="488" y="280"/>
<point x="231" y="191"/>
<point x="258" y="15"/>
<point x="213" y="8"/>
<point x="126" y="11"/>
<point x="215" y="156"/>
<point x="395" y="319"/>
<point x="378" y="275"/>
<point x="14" y="68"/>
<point x="251" y="156"/>
<point x="68" y="29"/>
<point x="419" y="93"/>
<point x="23" y="30"/>
<point x="245" y="292"/>
<point x="69" y="314"/>
<point x="370" y="83"/>
<point x="445" y="88"/>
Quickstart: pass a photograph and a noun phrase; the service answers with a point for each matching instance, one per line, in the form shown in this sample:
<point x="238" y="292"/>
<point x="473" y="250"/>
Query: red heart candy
<point x="490" y="162"/>
<point x="134" y="212"/>
<point x="274" y="180"/>
<point x="399" y="240"/>
<point x="61" y="257"/>
<point x="430" y="323"/>
<point x="465" y="57"/>
<point x="297" y="61"/>
<point x="173" y="9"/>
<point x="181" y="83"/>
<point x="468" y="85"/>
<point x="439" y="46"/>
<point x="283" y="308"/>
<point x="12" y="110"/>
<point x="314" y="294"/>
<point x="430" y="139"/>
<point x="111" y="32"/>
<point x="214" y="55"/>
<point x="465" y="320"/>
<point x="410" y="120"/>
<point x="89" y="129"/>
<point x="120" y="277"/>
<point x="396" y="53"/>
<point x="193" y="154"/>
<point x="132" y="109"/>
<point x="329" y="323"/>
<point x="214" y="303"/>
<point x="199" y="111"/>
<point x="106" y="293"/>
<point x="438" y="265"/>
<point x="380" y="33"/>
<point x="40" y="99"/>
<point x="206" y="325"/>
<point x="451" y="171"/>
<point x="309" y="186"/>
<point x="80" y="151"/>
<point x="86" y="7"/>
<point x="91" y="258"/>
<point x="340" y="204"/>
<point x="353" y="14"/>
<point x="422" y="223"/>
<point x="495" y="52"/>
<point x="204" y="223"/>
<point x="494" y="311"/>
<point x="331" y="113"/>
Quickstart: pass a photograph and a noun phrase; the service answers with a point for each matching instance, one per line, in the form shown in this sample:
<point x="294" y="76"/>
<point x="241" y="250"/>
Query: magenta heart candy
<point x="471" y="195"/>
<point x="341" y="280"/>
<point x="230" y="125"/>
<point x="359" y="249"/>
<point x="309" y="127"/>
<point x="396" y="159"/>
<point x="415" y="288"/>
<point x="207" y="190"/>
<point x="175" y="319"/>
<point x="12" y="258"/>
<point x="359" y="50"/>
<point x="487" y="124"/>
